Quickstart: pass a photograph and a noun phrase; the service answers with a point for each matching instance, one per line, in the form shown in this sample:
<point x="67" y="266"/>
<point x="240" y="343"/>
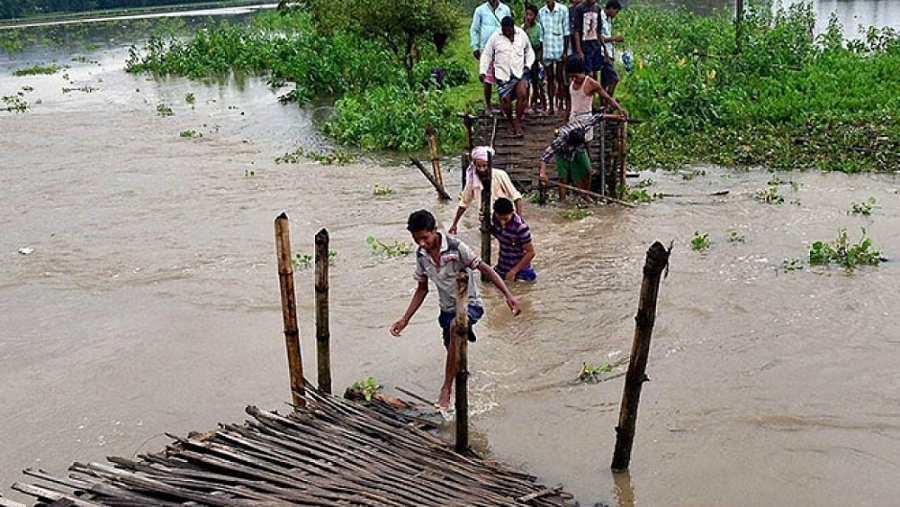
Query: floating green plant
<point x="844" y="253"/>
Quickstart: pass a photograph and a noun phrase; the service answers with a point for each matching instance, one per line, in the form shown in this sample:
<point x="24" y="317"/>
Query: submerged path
<point x="331" y="452"/>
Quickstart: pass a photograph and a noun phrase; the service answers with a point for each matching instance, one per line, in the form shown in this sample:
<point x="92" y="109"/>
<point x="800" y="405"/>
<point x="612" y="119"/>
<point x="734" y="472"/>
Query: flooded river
<point x="149" y="302"/>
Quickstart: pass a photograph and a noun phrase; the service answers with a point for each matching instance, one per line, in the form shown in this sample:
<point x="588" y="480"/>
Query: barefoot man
<point x="509" y="52"/>
<point x="438" y="258"/>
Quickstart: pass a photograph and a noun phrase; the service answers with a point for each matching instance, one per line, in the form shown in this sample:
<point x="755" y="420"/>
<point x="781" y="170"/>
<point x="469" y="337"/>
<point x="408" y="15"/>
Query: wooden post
<point x="738" y="22"/>
<point x="323" y="335"/>
<point x="462" y="360"/>
<point x="435" y="159"/>
<point x="467" y="156"/>
<point x="441" y="192"/>
<point x="603" y="156"/>
<point x="486" y="215"/>
<point x="623" y="157"/>
<point x="289" y="307"/>
<point x="464" y="160"/>
<point x="657" y="260"/>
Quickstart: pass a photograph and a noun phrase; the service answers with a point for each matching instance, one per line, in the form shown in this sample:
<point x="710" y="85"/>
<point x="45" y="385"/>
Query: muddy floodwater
<point x="139" y="295"/>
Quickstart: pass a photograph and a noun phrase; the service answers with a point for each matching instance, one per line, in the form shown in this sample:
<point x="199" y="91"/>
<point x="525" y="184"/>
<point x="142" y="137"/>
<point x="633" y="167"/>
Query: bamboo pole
<point x="486" y="194"/>
<point x="657" y="260"/>
<point x="623" y="156"/>
<point x="443" y="193"/>
<point x="592" y="194"/>
<point x="462" y="360"/>
<point x="323" y="334"/>
<point x="289" y="307"/>
<point x="435" y="159"/>
<point x="603" y="157"/>
<point x="467" y="157"/>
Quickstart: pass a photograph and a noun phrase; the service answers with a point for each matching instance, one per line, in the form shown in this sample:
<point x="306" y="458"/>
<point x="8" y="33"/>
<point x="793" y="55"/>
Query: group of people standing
<point x="554" y="42"/>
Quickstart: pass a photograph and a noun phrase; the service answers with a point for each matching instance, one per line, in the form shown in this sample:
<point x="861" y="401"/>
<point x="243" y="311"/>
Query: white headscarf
<point x="478" y="153"/>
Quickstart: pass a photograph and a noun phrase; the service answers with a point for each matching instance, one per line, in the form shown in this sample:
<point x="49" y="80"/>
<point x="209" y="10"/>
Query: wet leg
<point x="443" y="402"/>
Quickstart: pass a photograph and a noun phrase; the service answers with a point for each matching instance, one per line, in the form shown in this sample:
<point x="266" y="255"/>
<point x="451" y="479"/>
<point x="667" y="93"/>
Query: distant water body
<point x="228" y="11"/>
<point x="852" y="14"/>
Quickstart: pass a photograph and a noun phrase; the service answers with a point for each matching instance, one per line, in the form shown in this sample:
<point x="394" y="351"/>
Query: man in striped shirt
<point x="572" y="163"/>
<point x="516" y="247"/>
<point x="554" y="21"/>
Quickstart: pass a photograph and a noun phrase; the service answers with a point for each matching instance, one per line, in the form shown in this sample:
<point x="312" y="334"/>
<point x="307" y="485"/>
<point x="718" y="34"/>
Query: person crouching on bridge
<point x="439" y="258"/>
<point x="516" y="247"/>
<point x="476" y="176"/>
<point x="509" y="50"/>
<point x="572" y="163"/>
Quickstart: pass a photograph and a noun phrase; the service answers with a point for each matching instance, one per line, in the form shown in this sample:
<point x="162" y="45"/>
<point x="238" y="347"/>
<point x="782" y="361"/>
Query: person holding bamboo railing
<point x="476" y="175"/>
<point x="569" y="151"/>
<point x="439" y="258"/>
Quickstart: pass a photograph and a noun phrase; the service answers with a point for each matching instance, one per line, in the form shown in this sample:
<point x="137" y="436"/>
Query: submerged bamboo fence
<point x="329" y="452"/>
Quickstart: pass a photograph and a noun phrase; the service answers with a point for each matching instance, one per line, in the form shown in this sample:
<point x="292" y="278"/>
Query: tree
<point x="404" y="26"/>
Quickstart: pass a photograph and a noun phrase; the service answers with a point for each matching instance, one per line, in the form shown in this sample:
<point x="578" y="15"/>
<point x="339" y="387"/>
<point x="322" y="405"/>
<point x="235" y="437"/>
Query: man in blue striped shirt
<point x="572" y="162"/>
<point x="516" y="247"/>
<point x="554" y="21"/>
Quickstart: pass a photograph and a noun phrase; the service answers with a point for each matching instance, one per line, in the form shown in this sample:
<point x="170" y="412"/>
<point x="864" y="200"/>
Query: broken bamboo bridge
<point x="331" y="451"/>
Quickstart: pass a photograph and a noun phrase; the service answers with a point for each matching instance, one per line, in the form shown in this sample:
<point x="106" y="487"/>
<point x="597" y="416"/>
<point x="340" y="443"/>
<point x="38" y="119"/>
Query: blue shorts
<point x="608" y="73"/>
<point x="525" y="275"/>
<point x="593" y="60"/>
<point x="475" y="313"/>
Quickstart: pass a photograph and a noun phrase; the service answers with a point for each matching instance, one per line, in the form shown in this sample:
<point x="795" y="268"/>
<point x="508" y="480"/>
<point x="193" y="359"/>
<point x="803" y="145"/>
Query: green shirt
<point x="534" y="33"/>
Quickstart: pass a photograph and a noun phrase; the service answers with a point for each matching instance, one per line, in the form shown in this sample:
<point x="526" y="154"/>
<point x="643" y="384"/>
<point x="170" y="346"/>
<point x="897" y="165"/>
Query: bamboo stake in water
<point x="323" y="335"/>
<point x="289" y="307"/>
<point x="462" y="360"/>
<point x="435" y="160"/>
<point x="486" y="215"/>
<point x="656" y="261"/>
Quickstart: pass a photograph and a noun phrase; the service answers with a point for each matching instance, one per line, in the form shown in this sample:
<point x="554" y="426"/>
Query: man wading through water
<point x="438" y="258"/>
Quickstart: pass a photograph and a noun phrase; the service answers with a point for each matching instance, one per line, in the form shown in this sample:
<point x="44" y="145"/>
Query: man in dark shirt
<point x="586" y="35"/>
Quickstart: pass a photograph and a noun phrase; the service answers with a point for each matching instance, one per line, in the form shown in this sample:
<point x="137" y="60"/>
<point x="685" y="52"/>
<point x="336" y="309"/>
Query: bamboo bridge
<point x="329" y="452"/>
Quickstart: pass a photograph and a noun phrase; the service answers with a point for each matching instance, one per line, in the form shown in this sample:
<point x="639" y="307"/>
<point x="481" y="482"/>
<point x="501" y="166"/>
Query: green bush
<point x="392" y="117"/>
<point x="789" y="100"/>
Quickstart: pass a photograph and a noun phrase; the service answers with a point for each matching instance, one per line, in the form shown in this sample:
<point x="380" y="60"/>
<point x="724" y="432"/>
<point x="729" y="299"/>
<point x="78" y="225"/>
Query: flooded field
<point x="149" y="301"/>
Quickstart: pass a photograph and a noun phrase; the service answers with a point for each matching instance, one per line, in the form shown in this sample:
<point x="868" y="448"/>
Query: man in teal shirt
<point x="485" y="22"/>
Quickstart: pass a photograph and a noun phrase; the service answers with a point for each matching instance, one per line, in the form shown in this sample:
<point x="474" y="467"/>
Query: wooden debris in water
<point x="330" y="452"/>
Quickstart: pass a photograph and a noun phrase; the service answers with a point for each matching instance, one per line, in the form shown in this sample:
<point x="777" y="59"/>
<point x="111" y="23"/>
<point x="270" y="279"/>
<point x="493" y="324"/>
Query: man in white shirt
<point x="509" y="51"/>
<point x="476" y="176"/>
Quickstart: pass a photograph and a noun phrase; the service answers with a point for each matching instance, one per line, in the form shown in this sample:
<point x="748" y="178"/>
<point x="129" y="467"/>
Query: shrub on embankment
<point x="378" y="104"/>
<point x="788" y="100"/>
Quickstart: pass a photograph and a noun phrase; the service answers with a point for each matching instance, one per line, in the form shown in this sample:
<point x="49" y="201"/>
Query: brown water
<point x="150" y="304"/>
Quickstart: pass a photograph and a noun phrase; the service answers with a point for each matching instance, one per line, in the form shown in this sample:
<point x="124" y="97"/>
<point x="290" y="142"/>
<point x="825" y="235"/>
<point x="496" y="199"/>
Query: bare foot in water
<point x="443" y="403"/>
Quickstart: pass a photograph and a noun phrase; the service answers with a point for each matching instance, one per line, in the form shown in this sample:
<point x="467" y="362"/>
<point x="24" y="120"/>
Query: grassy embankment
<point x="788" y="101"/>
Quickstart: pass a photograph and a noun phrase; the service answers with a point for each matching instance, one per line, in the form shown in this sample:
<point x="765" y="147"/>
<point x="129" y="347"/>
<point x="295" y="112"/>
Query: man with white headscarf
<point x="476" y="174"/>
